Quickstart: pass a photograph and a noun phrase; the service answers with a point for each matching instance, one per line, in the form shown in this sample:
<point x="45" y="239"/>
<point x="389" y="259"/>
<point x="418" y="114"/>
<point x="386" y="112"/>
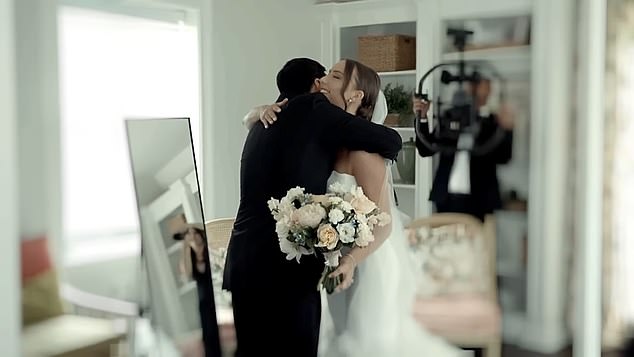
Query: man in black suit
<point x="485" y="194"/>
<point x="277" y="307"/>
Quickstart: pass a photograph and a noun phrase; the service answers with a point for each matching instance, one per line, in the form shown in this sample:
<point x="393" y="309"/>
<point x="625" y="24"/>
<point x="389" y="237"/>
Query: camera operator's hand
<point x="421" y="105"/>
<point x="505" y="117"/>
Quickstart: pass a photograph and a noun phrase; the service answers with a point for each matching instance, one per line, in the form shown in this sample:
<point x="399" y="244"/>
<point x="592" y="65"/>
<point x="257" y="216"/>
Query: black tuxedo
<point x="485" y="193"/>
<point x="298" y="150"/>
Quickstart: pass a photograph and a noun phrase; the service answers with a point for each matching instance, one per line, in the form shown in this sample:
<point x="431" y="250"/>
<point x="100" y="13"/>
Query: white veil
<point x="407" y="276"/>
<point x="380" y="109"/>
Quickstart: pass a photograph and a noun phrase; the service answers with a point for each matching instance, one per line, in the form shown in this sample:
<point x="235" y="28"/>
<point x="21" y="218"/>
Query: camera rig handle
<point x="421" y="125"/>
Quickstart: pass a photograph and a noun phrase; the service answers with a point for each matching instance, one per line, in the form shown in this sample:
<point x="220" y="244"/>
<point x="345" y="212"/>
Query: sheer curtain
<point x="114" y="67"/>
<point x="618" y="299"/>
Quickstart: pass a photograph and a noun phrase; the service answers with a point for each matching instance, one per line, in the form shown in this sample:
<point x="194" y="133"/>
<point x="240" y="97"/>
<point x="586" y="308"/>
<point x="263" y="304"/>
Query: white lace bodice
<point x="348" y="181"/>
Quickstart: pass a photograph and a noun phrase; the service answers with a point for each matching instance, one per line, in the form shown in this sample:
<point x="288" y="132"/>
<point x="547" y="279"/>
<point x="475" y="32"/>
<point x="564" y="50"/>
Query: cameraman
<point x="484" y="194"/>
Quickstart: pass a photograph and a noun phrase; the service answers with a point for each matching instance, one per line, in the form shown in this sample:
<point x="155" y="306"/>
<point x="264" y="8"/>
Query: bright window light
<point x="114" y="67"/>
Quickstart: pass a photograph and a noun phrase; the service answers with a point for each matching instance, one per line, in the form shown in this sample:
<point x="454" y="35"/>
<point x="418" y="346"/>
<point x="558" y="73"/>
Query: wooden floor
<point x="512" y="351"/>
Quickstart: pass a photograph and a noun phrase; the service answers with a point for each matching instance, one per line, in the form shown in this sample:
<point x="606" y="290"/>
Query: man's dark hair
<point x="297" y="77"/>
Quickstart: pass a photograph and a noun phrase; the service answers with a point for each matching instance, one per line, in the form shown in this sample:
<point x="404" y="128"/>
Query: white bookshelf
<point x="534" y="71"/>
<point x="396" y="20"/>
<point x="386" y="75"/>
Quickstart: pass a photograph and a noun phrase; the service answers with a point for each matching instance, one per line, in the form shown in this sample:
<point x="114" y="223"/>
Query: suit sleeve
<point x="345" y="130"/>
<point x="423" y="150"/>
<point x="502" y="153"/>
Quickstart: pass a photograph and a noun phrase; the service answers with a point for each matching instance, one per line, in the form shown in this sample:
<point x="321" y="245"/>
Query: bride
<point x="370" y="313"/>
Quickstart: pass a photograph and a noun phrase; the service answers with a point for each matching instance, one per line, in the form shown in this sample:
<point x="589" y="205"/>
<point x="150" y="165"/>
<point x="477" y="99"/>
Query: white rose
<point x="334" y="200"/>
<point x="285" y="208"/>
<point x="273" y="204"/>
<point x="282" y="229"/>
<point x="346" y="206"/>
<point x="384" y="219"/>
<point x="362" y="219"/>
<point x="332" y="258"/>
<point x="327" y="236"/>
<point x="336" y="216"/>
<point x="309" y="216"/>
<point x="364" y="236"/>
<point x="346" y="232"/>
<point x="294" y="192"/>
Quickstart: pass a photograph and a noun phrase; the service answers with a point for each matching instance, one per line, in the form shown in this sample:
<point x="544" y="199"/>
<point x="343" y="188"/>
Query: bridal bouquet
<point x="324" y="224"/>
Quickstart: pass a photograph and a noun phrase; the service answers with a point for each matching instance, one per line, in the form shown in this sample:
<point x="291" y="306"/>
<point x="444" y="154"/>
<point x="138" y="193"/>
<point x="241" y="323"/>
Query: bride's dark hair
<point x="366" y="80"/>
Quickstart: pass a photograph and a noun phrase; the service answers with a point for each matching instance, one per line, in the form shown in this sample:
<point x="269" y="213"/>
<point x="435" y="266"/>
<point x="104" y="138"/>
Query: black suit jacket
<point x="298" y="150"/>
<point x="485" y="190"/>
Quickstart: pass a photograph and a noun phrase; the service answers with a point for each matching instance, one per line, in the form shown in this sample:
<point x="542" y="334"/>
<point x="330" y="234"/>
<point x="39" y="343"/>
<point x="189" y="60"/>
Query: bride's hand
<point x="346" y="270"/>
<point x="267" y="116"/>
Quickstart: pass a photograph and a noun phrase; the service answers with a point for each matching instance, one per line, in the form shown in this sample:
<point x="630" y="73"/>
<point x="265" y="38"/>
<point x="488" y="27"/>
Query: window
<point x="114" y="67"/>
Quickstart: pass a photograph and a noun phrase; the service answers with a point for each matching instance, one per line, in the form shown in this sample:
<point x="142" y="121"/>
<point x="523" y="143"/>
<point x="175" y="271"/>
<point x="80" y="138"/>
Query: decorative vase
<point x="405" y="161"/>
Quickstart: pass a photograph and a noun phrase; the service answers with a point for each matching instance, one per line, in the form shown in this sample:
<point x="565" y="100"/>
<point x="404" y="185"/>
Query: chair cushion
<point x="471" y="315"/>
<point x="71" y="336"/>
<point x="453" y="260"/>
<point x="40" y="287"/>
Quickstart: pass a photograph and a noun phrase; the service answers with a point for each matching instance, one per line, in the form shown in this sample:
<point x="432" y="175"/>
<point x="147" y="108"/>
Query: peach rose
<point x="362" y="204"/>
<point x="327" y="236"/>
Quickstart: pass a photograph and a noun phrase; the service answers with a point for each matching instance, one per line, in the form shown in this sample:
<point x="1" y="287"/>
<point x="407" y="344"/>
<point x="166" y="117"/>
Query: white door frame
<point x="591" y="112"/>
<point x="10" y="324"/>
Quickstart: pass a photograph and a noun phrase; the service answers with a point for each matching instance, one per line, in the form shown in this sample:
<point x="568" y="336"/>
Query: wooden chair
<point x="472" y="319"/>
<point x="218" y="232"/>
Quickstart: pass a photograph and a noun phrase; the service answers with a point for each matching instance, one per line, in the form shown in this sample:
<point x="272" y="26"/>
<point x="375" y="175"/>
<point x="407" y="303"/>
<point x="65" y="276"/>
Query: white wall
<point x="38" y="125"/>
<point x="9" y="264"/>
<point x="250" y="41"/>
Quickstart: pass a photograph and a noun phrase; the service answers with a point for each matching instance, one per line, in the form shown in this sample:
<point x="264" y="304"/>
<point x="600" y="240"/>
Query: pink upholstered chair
<point x="457" y="296"/>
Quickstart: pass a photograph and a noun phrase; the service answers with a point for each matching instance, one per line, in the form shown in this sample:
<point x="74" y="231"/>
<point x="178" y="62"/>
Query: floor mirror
<point x="175" y="256"/>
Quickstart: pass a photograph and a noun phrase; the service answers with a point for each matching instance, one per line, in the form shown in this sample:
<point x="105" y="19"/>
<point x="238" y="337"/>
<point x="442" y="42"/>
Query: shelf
<point x="411" y="72"/>
<point x="405" y="186"/>
<point x="506" y="53"/>
<point x="187" y="287"/>
<point x="176" y="247"/>
<point x="403" y="129"/>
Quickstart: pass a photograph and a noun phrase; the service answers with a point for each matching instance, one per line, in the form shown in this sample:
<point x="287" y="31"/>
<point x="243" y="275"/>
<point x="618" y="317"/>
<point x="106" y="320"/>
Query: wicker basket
<point x="388" y="53"/>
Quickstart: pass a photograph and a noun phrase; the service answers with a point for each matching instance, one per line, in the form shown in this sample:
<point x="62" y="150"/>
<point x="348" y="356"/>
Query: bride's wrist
<point x="352" y="258"/>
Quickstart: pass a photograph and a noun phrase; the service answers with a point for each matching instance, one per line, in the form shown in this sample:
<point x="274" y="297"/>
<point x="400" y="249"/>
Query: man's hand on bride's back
<point x="268" y="114"/>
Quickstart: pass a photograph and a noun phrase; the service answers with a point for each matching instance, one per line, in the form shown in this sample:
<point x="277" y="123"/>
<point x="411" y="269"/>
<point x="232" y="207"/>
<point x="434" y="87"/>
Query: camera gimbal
<point x="462" y="116"/>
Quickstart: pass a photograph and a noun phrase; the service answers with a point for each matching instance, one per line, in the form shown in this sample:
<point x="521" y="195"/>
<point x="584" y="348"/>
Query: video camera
<point x="461" y="115"/>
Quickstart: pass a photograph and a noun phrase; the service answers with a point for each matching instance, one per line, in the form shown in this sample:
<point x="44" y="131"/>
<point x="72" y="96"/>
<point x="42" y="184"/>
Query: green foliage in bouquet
<point x="399" y="101"/>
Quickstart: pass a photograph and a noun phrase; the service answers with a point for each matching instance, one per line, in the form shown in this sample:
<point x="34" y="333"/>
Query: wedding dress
<point x="374" y="317"/>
